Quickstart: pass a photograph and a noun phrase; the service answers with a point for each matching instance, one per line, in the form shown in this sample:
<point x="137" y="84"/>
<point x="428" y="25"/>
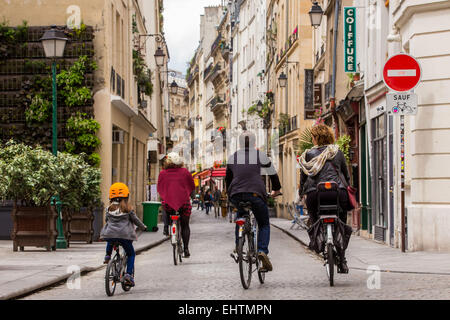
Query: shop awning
<point x="204" y="174"/>
<point x="219" y="172"/>
<point x="356" y="93"/>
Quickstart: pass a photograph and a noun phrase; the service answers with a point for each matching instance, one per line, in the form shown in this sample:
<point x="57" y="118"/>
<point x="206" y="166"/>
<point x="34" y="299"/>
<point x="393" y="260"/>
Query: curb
<point x="292" y="236"/>
<point x="26" y="292"/>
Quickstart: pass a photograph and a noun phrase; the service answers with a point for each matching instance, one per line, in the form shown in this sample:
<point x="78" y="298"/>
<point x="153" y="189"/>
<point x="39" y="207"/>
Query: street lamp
<point x="159" y="57"/>
<point x="282" y="80"/>
<point x="172" y="122"/>
<point x="315" y="14"/>
<point x="173" y="87"/>
<point x="54" y="42"/>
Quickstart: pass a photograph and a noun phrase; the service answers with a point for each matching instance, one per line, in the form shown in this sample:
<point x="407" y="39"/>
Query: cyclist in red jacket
<point x="175" y="185"/>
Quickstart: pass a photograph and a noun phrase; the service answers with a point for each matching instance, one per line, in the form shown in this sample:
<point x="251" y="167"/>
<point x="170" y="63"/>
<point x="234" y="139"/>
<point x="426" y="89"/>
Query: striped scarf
<point x="312" y="167"/>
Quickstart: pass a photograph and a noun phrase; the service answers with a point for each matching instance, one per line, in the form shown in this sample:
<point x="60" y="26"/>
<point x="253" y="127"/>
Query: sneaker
<point x="186" y="253"/>
<point x="234" y="255"/>
<point x="264" y="259"/>
<point x="107" y="258"/>
<point x="166" y="230"/>
<point x="128" y="280"/>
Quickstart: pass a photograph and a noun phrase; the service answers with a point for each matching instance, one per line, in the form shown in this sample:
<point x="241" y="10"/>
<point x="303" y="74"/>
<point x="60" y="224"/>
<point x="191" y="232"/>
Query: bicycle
<point x="177" y="245"/>
<point x="299" y="220"/>
<point x="247" y="256"/>
<point x="115" y="270"/>
<point x="331" y="258"/>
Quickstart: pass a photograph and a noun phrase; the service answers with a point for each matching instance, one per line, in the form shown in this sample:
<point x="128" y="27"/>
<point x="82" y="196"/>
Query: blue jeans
<point x="128" y="247"/>
<point x="261" y="212"/>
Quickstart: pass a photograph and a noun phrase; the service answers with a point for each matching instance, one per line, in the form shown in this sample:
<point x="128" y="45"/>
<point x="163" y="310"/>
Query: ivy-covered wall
<point x="26" y="90"/>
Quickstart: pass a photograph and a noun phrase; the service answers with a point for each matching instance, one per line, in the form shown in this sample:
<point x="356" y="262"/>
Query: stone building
<point x="289" y="47"/>
<point x="125" y="123"/>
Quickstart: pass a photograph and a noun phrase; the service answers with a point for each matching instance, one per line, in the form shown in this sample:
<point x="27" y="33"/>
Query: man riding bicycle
<point x="245" y="184"/>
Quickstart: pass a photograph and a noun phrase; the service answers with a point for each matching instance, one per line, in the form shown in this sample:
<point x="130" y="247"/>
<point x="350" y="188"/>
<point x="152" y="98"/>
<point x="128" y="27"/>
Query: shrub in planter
<point x="30" y="177"/>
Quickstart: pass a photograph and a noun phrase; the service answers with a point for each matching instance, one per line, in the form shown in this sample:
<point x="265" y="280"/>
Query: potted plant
<point x="80" y="200"/>
<point x="271" y="206"/>
<point x="30" y="177"/>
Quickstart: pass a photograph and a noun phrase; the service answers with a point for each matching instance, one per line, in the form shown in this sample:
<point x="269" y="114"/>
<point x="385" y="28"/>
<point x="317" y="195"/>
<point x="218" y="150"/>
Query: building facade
<point x="125" y="124"/>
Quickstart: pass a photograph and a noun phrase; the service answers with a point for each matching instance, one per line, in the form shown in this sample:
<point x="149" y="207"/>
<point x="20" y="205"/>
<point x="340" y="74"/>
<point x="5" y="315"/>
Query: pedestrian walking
<point x="224" y="203"/>
<point x="207" y="199"/>
<point x="202" y="199"/>
<point x="216" y="202"/>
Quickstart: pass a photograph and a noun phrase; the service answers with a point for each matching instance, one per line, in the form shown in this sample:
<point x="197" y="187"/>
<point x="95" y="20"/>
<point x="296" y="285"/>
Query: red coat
<point x="175" y="187"/>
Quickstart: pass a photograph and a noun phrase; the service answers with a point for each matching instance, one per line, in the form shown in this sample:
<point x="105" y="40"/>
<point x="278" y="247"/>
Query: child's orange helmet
<point x="118" y="190"/>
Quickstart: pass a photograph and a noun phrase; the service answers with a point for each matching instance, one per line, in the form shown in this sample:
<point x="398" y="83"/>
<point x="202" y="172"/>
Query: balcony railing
<point x="207" y="71"/>
<point x="216" y="100"/>
<point x="215" y="44"/>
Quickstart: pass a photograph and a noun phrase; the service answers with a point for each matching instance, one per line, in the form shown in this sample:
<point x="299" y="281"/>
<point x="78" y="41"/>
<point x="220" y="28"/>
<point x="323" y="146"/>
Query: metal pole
<point x="402" y="173"/>
<point x="333" y="79"/>
<point x="61" y="242"/>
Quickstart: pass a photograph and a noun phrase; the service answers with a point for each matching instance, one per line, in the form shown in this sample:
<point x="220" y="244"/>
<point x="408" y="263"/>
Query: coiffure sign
<point x="349" y="39"/>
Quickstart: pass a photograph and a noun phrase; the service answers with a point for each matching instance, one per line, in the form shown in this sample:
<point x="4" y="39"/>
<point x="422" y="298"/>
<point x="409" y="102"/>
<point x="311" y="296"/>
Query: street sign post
<point x="402" y="73"/>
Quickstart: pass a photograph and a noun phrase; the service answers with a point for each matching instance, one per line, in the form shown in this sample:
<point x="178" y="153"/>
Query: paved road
<point x="211" y="274"/>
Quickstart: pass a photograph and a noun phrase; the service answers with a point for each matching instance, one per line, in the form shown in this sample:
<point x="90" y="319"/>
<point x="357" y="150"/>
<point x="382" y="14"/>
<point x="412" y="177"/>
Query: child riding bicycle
<point x="120" y="227"/>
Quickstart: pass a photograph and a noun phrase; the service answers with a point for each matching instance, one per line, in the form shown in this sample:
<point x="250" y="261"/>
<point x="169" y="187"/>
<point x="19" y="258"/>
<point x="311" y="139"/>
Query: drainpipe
<point x="333" y="79"/>
<point x="130" y="153"/>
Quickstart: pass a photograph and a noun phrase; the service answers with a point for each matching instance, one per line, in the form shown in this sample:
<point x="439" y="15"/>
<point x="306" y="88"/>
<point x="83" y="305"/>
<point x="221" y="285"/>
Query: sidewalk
<point x="35" y="268"/>
<point x="362" y="253"/>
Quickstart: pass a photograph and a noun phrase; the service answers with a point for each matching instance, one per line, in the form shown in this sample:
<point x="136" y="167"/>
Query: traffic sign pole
<point x="402" y="73"/>
<point x="402" y="181"/>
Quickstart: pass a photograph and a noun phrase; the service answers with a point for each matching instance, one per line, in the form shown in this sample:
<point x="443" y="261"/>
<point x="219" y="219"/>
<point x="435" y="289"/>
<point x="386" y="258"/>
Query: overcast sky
<point x="182" y="29"/>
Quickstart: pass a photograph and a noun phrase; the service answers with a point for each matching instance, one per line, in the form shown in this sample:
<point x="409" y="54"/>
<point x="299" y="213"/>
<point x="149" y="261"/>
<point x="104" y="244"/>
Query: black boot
<point x="186" y="253"/>
<point x="166" y="230"/>
<point x="343" y="268"/>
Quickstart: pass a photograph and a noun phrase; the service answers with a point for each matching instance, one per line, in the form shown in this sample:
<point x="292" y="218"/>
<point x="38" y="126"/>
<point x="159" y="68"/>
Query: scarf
<point x="312" y="167"/>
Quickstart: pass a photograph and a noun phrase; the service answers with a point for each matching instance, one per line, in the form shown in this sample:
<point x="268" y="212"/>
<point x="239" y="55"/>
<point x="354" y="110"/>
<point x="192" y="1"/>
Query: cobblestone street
<point x="210" y="273"/>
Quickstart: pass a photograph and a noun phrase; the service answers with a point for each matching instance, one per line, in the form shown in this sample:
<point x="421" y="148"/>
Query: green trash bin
<point x="151" y="209"/>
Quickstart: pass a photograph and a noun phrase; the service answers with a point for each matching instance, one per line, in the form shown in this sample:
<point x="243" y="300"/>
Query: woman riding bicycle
<point x="120" y="227"/>
<point x="175" y="184"/>
<point x="324" y="162"/>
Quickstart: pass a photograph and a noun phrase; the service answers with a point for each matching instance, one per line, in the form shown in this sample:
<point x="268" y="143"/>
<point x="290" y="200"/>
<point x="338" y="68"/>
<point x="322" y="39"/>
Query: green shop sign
<point x="349" y="39"/>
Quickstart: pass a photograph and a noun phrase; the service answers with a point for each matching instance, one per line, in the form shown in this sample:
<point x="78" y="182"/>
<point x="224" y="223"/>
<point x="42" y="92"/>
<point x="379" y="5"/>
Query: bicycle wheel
<point x="179" y="243"/>
<point x="245" y="260"/>
<point x="111" y="277"/>
<point x="175" y="253"/>
<point x="330" y="264"/>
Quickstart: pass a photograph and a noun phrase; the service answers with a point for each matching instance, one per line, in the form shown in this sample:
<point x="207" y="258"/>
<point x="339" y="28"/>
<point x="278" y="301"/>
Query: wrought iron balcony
<point x="215" y="44"/>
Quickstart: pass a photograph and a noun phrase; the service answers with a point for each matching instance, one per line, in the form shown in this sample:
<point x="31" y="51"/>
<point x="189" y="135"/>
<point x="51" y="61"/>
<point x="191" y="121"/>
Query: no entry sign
<point x="401" y="72"/>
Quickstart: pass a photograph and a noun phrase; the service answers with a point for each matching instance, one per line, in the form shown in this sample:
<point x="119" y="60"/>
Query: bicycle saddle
<point x="246" y="205"/>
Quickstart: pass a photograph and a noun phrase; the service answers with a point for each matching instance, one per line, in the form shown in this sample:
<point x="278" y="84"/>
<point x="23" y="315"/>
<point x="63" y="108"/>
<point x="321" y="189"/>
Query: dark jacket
<point x="328" y="173"/>
<point x="244" y="173"/>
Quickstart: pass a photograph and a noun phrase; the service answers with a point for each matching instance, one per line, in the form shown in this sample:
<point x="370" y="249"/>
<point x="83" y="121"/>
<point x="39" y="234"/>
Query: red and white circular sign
<point x="401" y="72"/>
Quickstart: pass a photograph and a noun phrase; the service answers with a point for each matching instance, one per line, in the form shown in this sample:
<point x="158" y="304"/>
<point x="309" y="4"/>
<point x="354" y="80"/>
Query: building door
<point x="380" y="182"/>
<point x="365" y="195"/>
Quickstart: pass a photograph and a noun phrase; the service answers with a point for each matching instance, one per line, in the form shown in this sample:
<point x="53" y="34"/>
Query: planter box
<point x="34" y="226"/>
<point x="84" y="225"/>
<point x="272" y="212"/>
<point x="6" y="224"/>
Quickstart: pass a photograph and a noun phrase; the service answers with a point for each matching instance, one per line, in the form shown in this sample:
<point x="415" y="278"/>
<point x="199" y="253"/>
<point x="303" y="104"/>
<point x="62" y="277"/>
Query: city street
<point x="210" y="273"/>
